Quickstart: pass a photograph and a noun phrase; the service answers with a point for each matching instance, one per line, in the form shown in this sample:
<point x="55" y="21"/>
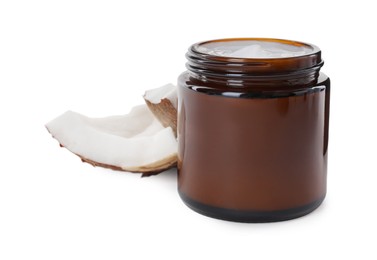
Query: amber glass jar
<point x="253" y="122"/>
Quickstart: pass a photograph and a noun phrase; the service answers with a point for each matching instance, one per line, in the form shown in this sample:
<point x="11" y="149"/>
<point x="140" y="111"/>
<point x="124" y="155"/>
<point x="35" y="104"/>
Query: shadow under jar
<point x="253" y="118"/>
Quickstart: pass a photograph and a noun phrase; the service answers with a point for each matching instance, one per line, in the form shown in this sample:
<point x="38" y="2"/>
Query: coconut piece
<point x="136" y="142"/>
<point x="163" y="103"/>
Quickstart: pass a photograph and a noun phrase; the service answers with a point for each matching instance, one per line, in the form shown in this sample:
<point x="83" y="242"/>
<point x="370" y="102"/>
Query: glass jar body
<point x="252" y="154"/>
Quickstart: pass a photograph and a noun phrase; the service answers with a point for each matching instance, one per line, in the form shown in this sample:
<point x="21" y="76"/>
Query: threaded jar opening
<point x="262" y="58"/>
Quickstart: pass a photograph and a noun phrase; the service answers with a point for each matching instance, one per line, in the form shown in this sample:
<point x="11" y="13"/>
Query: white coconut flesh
<point x="156" y="95"/>
<point x="135" y="142"/>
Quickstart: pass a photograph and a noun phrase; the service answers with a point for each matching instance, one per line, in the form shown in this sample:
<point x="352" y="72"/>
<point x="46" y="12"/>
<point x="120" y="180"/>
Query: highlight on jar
<point x="246" y="127"/>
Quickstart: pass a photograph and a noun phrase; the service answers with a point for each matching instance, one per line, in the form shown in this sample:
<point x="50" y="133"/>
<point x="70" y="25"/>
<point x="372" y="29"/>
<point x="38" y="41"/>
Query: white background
<point x="97" y="58"/>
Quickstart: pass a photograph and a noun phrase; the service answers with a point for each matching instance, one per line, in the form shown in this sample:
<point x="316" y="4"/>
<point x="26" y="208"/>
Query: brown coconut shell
<point x="165" y="112"/>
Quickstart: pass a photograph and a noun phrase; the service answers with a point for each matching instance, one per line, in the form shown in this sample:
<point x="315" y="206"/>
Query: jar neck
<point x="297" y="71"/>
<point x="302" y="80"/>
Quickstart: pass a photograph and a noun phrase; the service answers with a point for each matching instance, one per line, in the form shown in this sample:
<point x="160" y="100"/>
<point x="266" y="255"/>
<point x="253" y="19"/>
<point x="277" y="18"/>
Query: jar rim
<point x="205" y="62"/>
